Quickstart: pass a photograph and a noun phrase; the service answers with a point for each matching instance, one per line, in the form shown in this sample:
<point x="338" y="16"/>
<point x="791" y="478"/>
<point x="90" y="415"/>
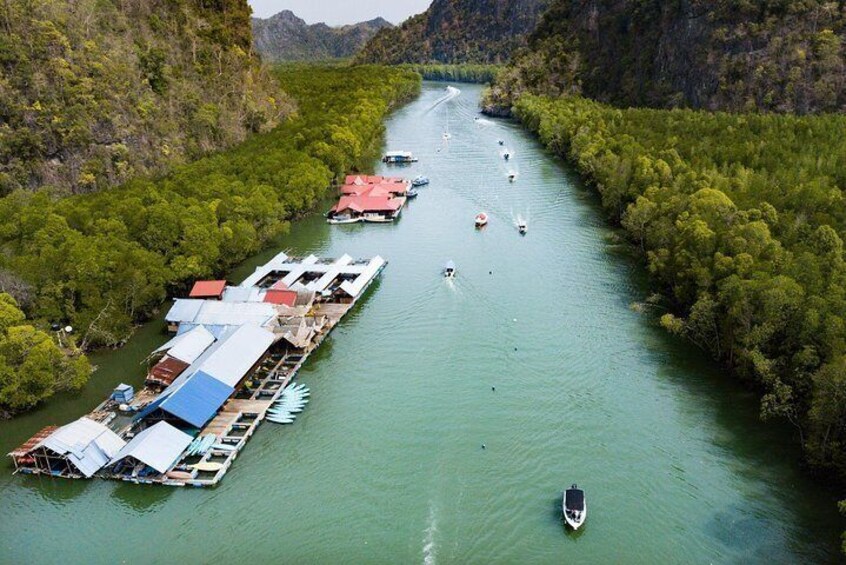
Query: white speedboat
<point x="343" y="220"/>
<point x="574" y="506"/>
<point x="449" y="270"/>
<point x="481" y="220"/>
<point x="512" y="176"/>
<point x="522" y="227"/>
<point x="420" y="180"/>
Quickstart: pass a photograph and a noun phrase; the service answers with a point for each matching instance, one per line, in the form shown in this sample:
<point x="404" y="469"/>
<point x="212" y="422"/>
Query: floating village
<point x="229" y="367"/>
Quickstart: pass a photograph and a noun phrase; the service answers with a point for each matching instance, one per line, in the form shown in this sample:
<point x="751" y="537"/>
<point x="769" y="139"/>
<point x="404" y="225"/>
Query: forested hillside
<point x="741" y="219"/>
<point x="95" y="92"/>
<point x="103" y="261"/>
<point x="457" y="31"/>
<point x="285" y="37"/>
<point x="759" y="55"/>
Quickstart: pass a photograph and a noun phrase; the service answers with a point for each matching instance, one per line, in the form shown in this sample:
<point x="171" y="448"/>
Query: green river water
<point x="386" y="465"/>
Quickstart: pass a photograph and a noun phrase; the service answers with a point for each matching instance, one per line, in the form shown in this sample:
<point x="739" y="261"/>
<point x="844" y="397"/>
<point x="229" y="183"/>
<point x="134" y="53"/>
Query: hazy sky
<point x="338" y="12"/>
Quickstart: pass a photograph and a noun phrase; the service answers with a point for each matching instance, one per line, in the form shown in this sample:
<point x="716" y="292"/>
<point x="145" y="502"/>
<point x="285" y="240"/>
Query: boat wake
<point x="451" y="93"/>
<point x="429" y="538"/>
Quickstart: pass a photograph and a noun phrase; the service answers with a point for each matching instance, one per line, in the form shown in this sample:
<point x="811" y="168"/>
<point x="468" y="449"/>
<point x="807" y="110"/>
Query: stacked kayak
<point x="201" y="445"/>
<point x="290" y="403"/>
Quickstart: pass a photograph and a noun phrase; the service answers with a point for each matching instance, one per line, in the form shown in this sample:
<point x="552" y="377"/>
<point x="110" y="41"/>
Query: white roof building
<point x="87" y="445"/>
<point x="230" y="362"/>
<point x="158" y="446"/>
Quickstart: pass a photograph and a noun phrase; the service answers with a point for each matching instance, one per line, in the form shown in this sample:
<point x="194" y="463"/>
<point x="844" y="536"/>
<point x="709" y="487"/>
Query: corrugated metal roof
<point x="32" y="442"/>
<point x="198" y="399"/>
<point x="241" y="350"/>
<point x="192" y="344"/>
<point x="207" y="289"/>
<point x="165" y="371"/>
<point x="158" y="446"/>
<point x="184" y="310"/>
<point x="217" y="313"/>
<point x="242" y="294"/>
<point x="87" y="444"/>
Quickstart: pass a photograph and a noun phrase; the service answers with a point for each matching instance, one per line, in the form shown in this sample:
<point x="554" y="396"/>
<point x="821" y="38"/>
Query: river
<point x="386" y="464"/>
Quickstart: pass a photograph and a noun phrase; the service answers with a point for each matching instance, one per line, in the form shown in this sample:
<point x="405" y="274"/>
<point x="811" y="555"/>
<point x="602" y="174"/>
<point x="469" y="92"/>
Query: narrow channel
<point x="386" y="464"/>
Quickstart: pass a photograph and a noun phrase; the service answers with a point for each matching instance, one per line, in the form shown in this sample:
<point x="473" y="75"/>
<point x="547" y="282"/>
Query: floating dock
<point x="236" y="349"/>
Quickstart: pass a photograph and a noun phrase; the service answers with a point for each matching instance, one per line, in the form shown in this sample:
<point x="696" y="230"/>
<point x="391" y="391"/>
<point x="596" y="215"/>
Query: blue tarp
<point x="198" y="400"/>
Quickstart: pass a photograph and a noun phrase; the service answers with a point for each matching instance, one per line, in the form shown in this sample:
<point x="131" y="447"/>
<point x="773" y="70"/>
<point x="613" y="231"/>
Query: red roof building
<point x="360" y="180"/>
<point x="280" y="294"/>
<point x="364" y="204"/>
<point x="166" y="371"/>
<point x="208" y="289"/>
<point x="374" y="190"/>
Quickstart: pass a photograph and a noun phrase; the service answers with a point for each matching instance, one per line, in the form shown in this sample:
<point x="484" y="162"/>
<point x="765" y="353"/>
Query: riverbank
<point x="402" y="402"/>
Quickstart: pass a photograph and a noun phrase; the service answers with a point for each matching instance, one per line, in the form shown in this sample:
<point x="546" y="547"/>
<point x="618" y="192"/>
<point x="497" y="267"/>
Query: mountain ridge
<point x="760" y="55"/>
<point x="286" y="37"/>
<point x="457" y="31"/>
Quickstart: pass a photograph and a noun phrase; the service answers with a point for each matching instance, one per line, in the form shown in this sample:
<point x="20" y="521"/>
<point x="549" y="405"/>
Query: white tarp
<point x="87" y="444"/>
<point x="158" y="446"/>
<point x="235" y="356"/>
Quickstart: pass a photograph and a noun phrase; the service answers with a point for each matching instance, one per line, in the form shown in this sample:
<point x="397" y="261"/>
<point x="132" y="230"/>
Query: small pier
<point x="236" y="350"/>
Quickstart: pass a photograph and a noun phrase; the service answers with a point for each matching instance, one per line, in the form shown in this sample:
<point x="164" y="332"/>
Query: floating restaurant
<point x="235" y="351"/>
<point x="372" y="199"/>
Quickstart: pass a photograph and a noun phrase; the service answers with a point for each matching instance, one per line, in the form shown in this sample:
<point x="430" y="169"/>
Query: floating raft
<point x="235" y="353"/>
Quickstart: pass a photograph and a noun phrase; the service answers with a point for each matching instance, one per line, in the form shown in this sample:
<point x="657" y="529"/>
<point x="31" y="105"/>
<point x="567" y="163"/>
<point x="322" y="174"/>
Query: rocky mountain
<point x="769" y="55"/>
<point x="94" y="92"/>
<point x="285" y="37"/>
<point x="457" y="31"/>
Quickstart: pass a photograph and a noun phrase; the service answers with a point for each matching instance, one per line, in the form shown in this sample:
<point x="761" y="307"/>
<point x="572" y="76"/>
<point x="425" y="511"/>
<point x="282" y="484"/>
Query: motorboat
<point x="501" y="142"/>
<point x="512" y="176"/>
<point x="449" y="270"/>
<point x="447" y="136"/>
<point x="522" y="227"/>
<point x="412" y="193"/>
<point x="399" y="157"/>
<point x="343" y="220"/>
<point x="574" y="506"/>
<point x="506" y="155"/>
<point x="481" y="220"/>
<point x="420" y="181"/>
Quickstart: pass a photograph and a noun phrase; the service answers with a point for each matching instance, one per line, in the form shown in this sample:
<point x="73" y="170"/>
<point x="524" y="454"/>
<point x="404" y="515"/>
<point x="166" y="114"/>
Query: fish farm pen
<point x="233" y="358"/>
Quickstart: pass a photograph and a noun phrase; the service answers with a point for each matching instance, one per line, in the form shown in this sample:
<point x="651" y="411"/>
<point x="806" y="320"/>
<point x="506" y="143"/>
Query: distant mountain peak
<point x="287" y="37"/>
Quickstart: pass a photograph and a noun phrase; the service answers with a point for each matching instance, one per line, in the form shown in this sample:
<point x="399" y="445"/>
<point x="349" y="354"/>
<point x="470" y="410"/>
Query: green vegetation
<point x="741" y="220"/>
<point x="767" y="55"/>
<point x="481" y="74"/>
<point x="96" y="92"/>
<point x="103" y="261"/>
<point x="32" y="366"/>
<point x="457" y="31"/>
